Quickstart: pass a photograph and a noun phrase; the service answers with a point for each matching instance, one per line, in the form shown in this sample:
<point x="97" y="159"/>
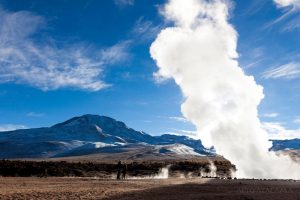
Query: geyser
<point x="199" y="53"/>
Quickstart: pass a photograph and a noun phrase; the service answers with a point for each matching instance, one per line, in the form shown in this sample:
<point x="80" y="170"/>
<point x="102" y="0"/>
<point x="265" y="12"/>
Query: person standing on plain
<point x="119" y="166"/>
<point x="124" y="171"/>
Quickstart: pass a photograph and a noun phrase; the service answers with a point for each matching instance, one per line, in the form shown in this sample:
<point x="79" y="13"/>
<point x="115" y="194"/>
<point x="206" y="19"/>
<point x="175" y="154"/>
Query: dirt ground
<point x="171" y="189"/>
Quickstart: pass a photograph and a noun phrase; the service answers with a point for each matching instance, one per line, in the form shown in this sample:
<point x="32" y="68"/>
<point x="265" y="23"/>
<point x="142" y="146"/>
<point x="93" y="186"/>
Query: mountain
<point x="95" y="135"/>
<point x="101" y="137"/>
<point x="287" y="147"/>
<point x="286" y="144"/>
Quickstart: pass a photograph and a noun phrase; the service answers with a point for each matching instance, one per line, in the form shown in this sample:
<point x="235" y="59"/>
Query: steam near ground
<point x="199" y="53"/>
<point x="212" y="170"/>
<point x="164" y="173"/>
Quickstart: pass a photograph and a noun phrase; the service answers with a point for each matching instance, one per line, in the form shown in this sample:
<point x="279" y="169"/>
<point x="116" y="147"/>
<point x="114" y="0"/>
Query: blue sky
<point x="60" y="59"/>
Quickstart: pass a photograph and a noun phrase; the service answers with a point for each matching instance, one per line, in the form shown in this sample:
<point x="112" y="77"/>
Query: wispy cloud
<point x="257" y="52"/>
<point x="124" y="2"/>
<point x="290" y="15"/>
<point x="25" y="60"/>
<point x="35" y="114"/>
<point x="254" y="7"/>
<point x="288" y="3"/>
<point x="276" y="130"/>
<point x="146" y="29"/>
<point x="116" y="53"/>
<point x="252" y="63"/>
<point x="287" y="71"/>
<point x="179" y="119"/>
<point x="292" y="24"/>
<point x="11" y="127"/>
<point x="254" y="57"/>
<point x="270" y="115"/>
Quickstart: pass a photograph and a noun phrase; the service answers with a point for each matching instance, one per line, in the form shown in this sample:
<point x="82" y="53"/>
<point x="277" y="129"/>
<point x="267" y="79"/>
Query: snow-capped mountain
<point x="93" y="134"/>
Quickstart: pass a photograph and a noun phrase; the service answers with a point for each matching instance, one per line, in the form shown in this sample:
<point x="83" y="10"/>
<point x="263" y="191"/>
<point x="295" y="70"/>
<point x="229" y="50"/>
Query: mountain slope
<point x="104" y="137"/>
<point x="93" y="134"/>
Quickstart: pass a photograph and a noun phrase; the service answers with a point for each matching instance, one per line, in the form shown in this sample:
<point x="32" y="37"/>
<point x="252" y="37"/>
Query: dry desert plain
<point x="155" y="189"/>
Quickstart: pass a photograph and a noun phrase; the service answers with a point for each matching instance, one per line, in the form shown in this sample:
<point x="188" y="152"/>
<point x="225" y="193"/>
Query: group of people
<point x="122" y="169"/>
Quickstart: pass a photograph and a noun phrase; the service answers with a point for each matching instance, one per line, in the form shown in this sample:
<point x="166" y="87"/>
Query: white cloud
<point x="276" y="130"/>
<point x="200" y="53"/>
<point x="291" y="7"/>
<point x="11" y="127"/>
<point x="287" y="71"/>
<point x="286" y="3"/>
<point x="124" y="2"/>
<point x="179" y="119"/>
<point x="270" y="115"/>
<point x="41" y="63"/>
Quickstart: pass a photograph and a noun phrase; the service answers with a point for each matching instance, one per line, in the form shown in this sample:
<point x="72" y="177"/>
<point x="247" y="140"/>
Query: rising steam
<point x="199" y="53"/>
<point x="212" y="170"/>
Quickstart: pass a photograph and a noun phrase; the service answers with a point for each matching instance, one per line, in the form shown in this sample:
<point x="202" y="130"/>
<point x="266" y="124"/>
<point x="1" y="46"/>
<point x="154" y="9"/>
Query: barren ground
<point x="197" y="188"/>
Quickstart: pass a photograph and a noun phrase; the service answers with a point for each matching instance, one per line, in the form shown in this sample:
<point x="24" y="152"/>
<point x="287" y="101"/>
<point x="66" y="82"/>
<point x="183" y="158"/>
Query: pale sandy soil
<point x="173" y="189"/>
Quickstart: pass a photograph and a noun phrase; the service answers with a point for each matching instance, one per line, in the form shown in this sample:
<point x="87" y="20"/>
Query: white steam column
<point x="199" y="53"/>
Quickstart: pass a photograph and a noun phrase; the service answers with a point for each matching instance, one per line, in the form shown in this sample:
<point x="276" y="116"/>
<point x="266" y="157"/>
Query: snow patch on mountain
<point x="178" y="149"/>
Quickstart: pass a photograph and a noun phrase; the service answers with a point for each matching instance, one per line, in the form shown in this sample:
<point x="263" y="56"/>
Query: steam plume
<point x="199" y="53"/>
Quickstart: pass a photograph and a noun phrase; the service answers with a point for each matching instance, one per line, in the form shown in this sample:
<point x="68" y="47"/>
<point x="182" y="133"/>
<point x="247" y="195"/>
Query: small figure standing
<point x="119" y="166"/>
<point x="124" y="171"/>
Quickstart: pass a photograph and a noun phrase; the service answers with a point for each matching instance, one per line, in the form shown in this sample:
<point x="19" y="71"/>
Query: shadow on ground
<point x="219" y="189"/>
